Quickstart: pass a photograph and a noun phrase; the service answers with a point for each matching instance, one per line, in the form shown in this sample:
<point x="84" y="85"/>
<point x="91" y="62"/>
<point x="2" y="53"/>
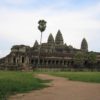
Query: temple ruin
<point x="53" y="54"/>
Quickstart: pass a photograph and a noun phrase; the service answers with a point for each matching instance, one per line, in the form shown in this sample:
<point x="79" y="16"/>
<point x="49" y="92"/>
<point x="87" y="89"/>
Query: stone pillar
<point x="47" y="63"/>
<point x="20" y="59"/>
<point x="11" y="60"/>
<point x="43" y="63"/>
<point x="63" y="62"/>
<point x="26" y="60"/>
<point x="16" y="60"/>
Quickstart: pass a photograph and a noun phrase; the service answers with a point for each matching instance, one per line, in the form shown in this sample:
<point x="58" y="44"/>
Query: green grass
<point x="17" y="82"/>
<point x="93" y="77"/>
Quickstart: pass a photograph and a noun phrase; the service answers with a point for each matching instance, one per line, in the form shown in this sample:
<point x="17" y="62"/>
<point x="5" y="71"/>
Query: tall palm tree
<point x="41" y="27"/>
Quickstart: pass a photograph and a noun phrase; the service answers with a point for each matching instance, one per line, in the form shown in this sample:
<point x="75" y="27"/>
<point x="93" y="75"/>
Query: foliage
<point x="92" y="57"/>
<point x="42" y="25"/>
<point x="85" y="59"/>
<point x="79" y="59"/>
<point x="92" y="64"/>
<point x="14" y="82"/>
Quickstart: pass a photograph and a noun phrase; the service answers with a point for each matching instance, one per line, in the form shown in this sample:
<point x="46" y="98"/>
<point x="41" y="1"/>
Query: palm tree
<point x="41" y="27"/>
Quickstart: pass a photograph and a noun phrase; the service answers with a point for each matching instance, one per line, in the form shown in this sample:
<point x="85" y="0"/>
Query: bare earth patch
<point x="62" y="89"/>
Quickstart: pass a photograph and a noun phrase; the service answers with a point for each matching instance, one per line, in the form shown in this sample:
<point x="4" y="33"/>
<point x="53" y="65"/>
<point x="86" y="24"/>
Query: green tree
<point x="42" y="25"/>
<point x="79" y="59"/>
<point x="92" y="60"/>
<point x="92" y="57"/>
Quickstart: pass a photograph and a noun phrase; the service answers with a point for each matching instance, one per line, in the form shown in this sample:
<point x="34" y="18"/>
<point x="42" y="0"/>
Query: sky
<point x="76" y="19"/>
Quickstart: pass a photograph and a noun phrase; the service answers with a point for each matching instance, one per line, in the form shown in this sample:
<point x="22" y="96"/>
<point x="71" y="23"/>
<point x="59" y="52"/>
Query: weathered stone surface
<point x="84" y="45"/>
<point x="50" y="39"/>
<point x="59" y="38"/>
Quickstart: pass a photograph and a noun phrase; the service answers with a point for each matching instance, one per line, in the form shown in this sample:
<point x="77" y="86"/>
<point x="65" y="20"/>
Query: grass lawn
<point x="93" y="77"/>
<point x="17" y="82"/>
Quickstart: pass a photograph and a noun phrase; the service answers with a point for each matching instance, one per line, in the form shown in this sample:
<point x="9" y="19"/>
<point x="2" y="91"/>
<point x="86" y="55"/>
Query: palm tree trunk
<point x="39" y="51"/>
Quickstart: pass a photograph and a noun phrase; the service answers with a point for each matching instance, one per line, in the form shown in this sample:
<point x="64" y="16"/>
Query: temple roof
<point x="84" y="45"/>
<point x="59" y="38"/>
<point x="50" y="38"/>
<point x="36" y="44"/>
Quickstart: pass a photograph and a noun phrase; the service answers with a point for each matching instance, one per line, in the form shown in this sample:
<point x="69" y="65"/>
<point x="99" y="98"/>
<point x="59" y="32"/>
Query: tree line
<point x="86" y="60"/>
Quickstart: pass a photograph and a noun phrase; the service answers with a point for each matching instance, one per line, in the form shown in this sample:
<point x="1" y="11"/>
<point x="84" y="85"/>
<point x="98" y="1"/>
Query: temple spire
<point x="36" y="44"/>
<point x="84" y="45"/>
<point x="50" y="39"/>
<point x="59" y="38"/>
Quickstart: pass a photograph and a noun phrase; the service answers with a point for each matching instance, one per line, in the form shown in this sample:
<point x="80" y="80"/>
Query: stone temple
<point x="53" y="54"/>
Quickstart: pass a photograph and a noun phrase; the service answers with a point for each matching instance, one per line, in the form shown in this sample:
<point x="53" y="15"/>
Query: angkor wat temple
<point x="53" y="54"/>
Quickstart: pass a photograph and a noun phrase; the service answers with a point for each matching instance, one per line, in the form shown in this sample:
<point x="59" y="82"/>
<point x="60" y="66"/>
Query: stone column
<point x="20" y="59"/>
<point x="26" y="60"/>
<point x="12" y="60"/>
<point x="47" y="62"/>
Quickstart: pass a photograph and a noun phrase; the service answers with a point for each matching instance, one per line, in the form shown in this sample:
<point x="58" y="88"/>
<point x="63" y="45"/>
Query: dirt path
<point x="62" y="89"/>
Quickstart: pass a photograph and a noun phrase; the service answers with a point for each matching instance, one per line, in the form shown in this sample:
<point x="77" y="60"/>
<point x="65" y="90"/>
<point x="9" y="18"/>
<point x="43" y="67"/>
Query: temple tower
<point x="50" y="43"/>
<point x="59" y="38"/>
<point x="84" y="45"/>
<point x="59" y="43"/>
<point x="36" y="44"/>
<point x="50" y="40"/>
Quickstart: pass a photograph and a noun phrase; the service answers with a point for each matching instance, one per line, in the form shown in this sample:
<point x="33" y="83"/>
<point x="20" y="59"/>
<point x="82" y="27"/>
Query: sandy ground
<point x="62" y="89"/>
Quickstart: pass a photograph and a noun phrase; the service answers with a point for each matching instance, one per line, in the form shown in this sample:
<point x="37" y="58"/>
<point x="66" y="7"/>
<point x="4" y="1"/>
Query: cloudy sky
<point x="75" y="18"/>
